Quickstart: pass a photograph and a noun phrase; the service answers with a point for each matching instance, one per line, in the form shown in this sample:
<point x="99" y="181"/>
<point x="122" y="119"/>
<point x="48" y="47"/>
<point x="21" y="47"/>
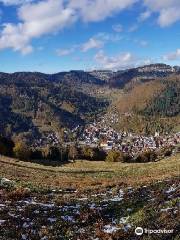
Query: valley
<point x="90" y="155"/>
<point x="89" y="120"/>
<point x="33" y="104"/>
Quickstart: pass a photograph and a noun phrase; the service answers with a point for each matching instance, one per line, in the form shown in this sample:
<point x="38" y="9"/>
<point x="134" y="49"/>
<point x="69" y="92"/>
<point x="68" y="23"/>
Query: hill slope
<point x="151" y="106"/>
<point x="131" y="77"/>
<point x="35" y="103"/>
<point x="30" y="102"/>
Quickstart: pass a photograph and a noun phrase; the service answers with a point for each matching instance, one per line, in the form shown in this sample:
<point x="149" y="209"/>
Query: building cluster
<point x="100" y="134"/>
<point x="49" y="138"/>
<point x="97" y="135"/>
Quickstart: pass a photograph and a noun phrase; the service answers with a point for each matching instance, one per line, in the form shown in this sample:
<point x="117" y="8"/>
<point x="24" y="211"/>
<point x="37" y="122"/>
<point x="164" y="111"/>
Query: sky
<point x="60" y="35"/>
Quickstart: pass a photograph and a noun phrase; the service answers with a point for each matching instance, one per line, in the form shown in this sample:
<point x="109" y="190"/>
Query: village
<point x="100" y="134"/>
<point x="95" y="135"/>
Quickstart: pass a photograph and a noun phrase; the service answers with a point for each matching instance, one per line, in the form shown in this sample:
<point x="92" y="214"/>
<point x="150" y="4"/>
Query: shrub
<point x="114" y="156"/>
<point x="36" y="154"/>
<point x="168" y="151"/>
<point x="147" y="156"/>
<point x="45" y="152"/>
<point x="21" y="151"/>
<point x="72" y="152"/>
<point x="55" y="154"/>
<point x="99" y="154"/>
<point x="165" y="152"/>
<point x="127" y="158"/>
<point x="18" y="194"/>
<point x="87" y="153"/>
<point x="6" y="146"/>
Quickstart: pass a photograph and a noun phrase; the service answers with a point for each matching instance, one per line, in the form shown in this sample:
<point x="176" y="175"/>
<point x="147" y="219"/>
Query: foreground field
<point x="84" y="175"/>
<point x="110" y="215"/>
<point x="89" y="200"/>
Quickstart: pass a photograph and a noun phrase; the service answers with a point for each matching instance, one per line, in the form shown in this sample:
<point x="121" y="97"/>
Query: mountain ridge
<point x="34" y="102"/>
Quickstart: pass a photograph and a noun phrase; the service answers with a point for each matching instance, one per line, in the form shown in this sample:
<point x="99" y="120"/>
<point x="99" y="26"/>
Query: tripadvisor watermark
<point x="140" y="231"/>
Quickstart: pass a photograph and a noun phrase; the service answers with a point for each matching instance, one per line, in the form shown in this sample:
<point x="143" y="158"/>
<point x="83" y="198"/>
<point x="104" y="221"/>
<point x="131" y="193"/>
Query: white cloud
<point x="95" y="42"/>
<point x="133" y="28"/>
<point x="36" y="19"/>
<point x="45" y="17"/>
<point x="99" y="40"/>
<point x="147" y="61"/>
<point x="172" y="56"/>
<point x="155" y="5"/>
<point x="92" y="43"/>
<point x="108" y="37"/>
<point x="12" y="37"/>
<point x="169" y="16"/>
<point x="144" y="16"/>
<point x="65" y="52"/>
<point x="169" y="10"/>
<point x="121" y="61"/>
<point x="97" y="10"/>
<point x="117" y="28"/>
<point x="143" y="43"/>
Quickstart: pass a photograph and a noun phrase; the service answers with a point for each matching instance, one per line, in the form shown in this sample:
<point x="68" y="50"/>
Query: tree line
<point x="64" y="154"/>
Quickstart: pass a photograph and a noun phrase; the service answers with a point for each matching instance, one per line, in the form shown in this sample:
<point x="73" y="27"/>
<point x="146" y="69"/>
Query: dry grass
<point x="138" y="98"/>
<point x="89" y="175"/>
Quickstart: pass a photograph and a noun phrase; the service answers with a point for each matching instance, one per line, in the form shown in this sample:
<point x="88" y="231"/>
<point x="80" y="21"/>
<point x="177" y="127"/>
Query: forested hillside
<point x="167" y="103"/>
<point x="152" y="106"/>
<point x="33" y="102"/>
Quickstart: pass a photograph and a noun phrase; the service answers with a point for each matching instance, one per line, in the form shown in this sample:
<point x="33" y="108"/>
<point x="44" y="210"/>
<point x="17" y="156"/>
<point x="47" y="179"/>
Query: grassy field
<point x="84" y="175"/>
<point x="89" y="200"/>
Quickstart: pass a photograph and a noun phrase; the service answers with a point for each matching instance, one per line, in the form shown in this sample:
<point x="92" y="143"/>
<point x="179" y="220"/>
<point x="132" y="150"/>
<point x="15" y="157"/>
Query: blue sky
<point x="57" y="35"/>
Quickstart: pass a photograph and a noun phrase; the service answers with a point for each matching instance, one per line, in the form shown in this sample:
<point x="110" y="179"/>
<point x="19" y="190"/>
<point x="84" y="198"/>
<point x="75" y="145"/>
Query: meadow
<point x="83" y="175"/>
<point x="88" y="200"/>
